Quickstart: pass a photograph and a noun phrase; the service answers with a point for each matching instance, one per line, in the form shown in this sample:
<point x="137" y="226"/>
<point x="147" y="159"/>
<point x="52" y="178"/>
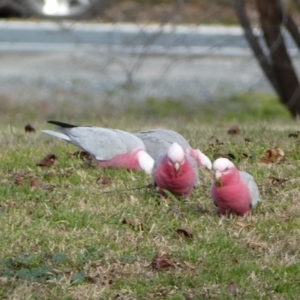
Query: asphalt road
<point x="45" y="75"/>
<point x="47" y="60"/>
<point x="123" y="38"/>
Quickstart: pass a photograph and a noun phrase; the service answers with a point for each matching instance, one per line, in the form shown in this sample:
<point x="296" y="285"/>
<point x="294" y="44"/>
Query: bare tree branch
<point x="297" y="3"/>
<point x="293" y="29"/>
<point x="263" y="59"/>
<point x="271" y="19"/>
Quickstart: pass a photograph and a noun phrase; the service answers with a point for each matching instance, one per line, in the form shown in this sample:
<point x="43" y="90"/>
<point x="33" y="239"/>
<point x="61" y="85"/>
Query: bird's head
<point x="176" y="156"/>
<point x="224" y="171"/>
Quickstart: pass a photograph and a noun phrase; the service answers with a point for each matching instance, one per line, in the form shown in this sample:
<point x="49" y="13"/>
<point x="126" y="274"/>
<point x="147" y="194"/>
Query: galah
<point x="111" y="148"/>
<point x="175" y="172"/>
<point x="233" y="191"/>
<point x="157" y="142"/>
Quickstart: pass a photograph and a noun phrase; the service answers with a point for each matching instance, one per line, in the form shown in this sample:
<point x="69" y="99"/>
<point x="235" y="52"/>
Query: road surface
<point x="44" y="59"/>
<point x="126" y="38"/>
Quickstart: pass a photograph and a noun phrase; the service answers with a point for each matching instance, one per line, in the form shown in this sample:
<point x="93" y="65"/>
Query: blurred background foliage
<point x="182" y="11"/>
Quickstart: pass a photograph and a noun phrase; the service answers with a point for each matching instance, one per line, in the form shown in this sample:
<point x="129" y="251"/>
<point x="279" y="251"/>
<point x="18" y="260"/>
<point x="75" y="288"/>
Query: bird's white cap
<point x="221" y="164"/>
<point x="175" y="153"/>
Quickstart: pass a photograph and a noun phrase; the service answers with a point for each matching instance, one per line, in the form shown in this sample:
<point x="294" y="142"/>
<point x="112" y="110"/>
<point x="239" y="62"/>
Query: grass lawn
<point x="73" y="231"/>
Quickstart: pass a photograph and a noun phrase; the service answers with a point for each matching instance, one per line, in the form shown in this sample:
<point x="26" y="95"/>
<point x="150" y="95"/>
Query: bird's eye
<point x="226" y="169"/>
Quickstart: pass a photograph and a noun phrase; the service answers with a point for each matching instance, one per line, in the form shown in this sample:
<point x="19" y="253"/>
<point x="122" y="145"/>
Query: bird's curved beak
<point x="176" y="166"/>
<point x="217" y="176"/>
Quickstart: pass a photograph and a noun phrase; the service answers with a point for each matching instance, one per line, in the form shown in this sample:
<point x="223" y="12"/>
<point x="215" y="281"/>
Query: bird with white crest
<point x="233" y="191"/>
<point x="157" y="142"/>
<point x="175" y="172"/>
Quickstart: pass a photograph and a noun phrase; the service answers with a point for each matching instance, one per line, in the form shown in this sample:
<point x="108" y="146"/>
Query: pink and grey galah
<point x="157" y="142"/>
<point x="111" y="148"/>
<point x="233" y="191"/>
<point x="175" y="172"/>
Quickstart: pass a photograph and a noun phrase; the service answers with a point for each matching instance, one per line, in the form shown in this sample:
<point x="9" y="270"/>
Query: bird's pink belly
<point x="178" y="186"/>
<point x="126" y="161"/>
<point x="231" y="202"/>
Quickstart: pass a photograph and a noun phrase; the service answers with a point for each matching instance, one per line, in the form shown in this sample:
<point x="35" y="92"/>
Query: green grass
<point x="67" y="239"/>
<point x="241" y="107"/>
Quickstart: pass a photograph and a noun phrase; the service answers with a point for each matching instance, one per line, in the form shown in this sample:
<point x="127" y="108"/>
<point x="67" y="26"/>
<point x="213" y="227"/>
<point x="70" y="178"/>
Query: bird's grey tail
<point x="57" y="134"/>
<point x="61" y="124"/>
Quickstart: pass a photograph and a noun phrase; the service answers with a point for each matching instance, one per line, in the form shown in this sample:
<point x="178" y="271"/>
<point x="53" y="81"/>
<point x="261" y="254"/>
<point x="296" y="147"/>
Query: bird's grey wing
<point x="172" y="136"/>
<point x="57" y="135"/>
<point x="155" y="146"/>
<point x="132" y="142"/>
<point x="250" y="182"/>
<point x="157" y="141"/>
<point x="157" y="161"/>
<point x="102" y="143"/>
<point x="195" y="167"/>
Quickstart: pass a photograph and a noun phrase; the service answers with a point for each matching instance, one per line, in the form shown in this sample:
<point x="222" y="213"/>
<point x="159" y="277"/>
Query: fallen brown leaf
<point x="237" y="156"/>
<point x="136" y="224"/>
<point x="241" y="224"/>
<point x="232" y="289"/>
<point x="215" y="144"/>
<point x="19" y="179"/>
<point x="214" y="141"/>
<point x="234" y="129"/>
<point x="34" y="183"/>
<point x="162" y="200"/>
<point x="295" y="134"/>
<point x="47" y="161"/>
<point x="255" y="245"/>
<point x="67" y="172"/>
<point x="91" y="279"/>
<point x="184" y="233"/>
<point x="81" y="154"/>
<point x="234" y="261"/>
<point x="48" y="187"/>
<point x="160" y="261"/>
<point x="104" y="180"/>
<point x="29" y="128"/>
<point x="271" y="156"/>
<point x="276" y="181"/>
<point x="231" y="156"/>
<point x="190" y="265"/>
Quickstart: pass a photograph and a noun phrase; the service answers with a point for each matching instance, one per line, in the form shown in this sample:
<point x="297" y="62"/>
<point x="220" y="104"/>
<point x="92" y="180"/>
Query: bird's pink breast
<point x="126" y="161"/>
<point x="232" y="198"/>
<point x="178" y="183"/>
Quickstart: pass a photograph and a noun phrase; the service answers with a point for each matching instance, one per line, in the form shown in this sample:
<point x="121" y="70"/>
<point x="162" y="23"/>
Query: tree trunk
<point x="262" y="58"/>
<point x="293" y="29"/>
<point x="271" y="19"/>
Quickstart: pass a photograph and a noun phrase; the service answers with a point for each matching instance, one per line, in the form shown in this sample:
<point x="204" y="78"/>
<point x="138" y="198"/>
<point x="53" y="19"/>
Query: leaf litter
<point x="47" y="161"/>
<point x="271" y="156"/>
